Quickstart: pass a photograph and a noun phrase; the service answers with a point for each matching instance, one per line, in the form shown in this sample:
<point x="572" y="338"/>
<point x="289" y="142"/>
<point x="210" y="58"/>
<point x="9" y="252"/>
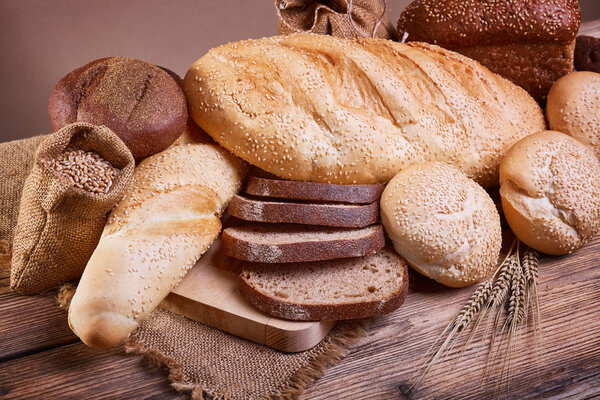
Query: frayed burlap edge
<point x="336" y="346"/>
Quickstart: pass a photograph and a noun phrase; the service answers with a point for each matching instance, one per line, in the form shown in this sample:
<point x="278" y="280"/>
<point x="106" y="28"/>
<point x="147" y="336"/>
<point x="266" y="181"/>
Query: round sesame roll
<point x="444" y="224"/>
<point x="356" y="111"/>
<point x="550" y="190"/>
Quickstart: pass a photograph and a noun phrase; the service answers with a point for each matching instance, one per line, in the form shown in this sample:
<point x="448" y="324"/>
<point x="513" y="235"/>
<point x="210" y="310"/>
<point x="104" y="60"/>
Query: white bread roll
<point x="444" y="224"/>
<point x="165" y="222"/>
<point x="324" y="109"/>
<point x="550" y="190"/>
<point x="574" y="107"/>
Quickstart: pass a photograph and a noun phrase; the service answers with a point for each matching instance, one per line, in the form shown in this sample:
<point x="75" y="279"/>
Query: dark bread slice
<point x="285" y="243"/>
<point x="313" y="191"/>
<point x="328" y="290"/>
<point x="322" y="214"/>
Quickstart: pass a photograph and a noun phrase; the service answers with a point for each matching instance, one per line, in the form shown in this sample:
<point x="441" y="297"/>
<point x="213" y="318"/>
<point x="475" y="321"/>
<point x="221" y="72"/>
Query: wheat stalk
<point x="454" y="328"/>
<point x="513" y="283"/>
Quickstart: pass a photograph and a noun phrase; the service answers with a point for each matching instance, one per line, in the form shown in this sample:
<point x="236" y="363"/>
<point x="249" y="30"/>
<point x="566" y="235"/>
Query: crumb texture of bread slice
<point x="315" y="191"/>
<point x="328" y="290"/>
<point x="322" y="214"/>
<point x="281" y="243"/>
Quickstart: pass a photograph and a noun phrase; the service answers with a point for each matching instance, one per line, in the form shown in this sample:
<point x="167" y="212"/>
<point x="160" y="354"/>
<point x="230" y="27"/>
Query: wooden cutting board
<point x="209" y="294"/>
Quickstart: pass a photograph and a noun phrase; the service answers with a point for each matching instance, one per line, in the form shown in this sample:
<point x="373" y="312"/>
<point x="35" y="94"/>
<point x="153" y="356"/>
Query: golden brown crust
<point x="323" y="109"/>
<point x="574" y="108"/>
<point x="165" y="222"/>
<point x="444" y="224"/>
<point x="550" y="189"/>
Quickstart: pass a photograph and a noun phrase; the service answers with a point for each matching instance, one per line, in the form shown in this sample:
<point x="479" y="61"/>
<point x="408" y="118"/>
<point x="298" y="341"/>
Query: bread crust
<point x="337" y="215"/>
<point x="165" y="222"/>
<point x="316" y="312"/>
<point x="458" y="23"/>
<point x="308" y="250"/>
<point x="139" y="101"/>
<point x="550" y="189"/>
<point x="356" y="111"/>
<point x="298" y="190"/>
<point x="444" y="224"/>
<point x="574" y="107"/>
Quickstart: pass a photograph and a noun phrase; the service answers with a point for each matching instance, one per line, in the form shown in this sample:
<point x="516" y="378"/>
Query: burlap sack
<point x="341" y="18"/>
<point x="16" y="159"/>
<point x="59" y="225"/>
<point x="201" y="360"/>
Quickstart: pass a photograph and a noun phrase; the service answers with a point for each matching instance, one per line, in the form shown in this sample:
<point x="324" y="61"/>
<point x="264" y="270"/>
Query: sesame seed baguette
<point x="286" y="243"/>
<point x="300" y="190"/>
<point x="166" y="221"/>
<point x="323" y="214"/>
<point x="348" y="288"/>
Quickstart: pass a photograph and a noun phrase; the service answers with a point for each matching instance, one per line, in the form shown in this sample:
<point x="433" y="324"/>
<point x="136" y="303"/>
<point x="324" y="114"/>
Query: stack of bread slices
<point x="314" y="251"/>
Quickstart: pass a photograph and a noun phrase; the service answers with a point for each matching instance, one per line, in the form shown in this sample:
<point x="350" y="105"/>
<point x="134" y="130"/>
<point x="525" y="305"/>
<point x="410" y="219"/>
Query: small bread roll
<point x="550" y="190"/>
<point x="574" y="108"/>
<point x="443" y="223"/>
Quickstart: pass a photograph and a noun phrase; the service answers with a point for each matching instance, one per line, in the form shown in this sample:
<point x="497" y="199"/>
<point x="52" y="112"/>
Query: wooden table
<point x="41" y="358"/>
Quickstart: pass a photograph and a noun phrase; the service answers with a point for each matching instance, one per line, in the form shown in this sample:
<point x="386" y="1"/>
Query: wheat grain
<point x="516" y="303"/>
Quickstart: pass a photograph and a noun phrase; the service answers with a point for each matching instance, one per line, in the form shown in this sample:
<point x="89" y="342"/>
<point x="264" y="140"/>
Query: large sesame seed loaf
<point x="324" y="109"/>
<point x="300" y="190"/>
<point x="287" y="243"/>
<point x="323" y="214"/>
<point x="349" y="288"/>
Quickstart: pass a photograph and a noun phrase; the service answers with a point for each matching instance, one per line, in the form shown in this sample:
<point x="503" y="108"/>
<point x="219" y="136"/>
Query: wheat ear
<point x="496" y="303"/>
<point x="516" y="315"/>
<point x="454" y="328"/>
<point x="499" y="288"/>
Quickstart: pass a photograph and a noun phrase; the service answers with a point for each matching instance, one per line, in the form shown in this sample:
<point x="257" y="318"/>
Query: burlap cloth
<point x="204" y="361"/>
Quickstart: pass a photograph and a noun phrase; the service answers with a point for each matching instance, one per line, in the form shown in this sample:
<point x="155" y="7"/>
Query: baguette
<point x="166" y="221"/>
<point x="328" y="290"/>
<point x="323" y="214"/>
<point x="356" y="111"/>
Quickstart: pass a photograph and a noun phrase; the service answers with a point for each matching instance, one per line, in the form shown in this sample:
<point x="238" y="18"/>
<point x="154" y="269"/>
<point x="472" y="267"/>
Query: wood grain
<point x="568" y="364"/>
<point x="29" y="324"/>
<point x="377" y="368"/>
<point x="77" y="372"/>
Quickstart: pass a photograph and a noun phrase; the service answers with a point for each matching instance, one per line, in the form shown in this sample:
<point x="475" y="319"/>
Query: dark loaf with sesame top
<point x="529" y="42"/>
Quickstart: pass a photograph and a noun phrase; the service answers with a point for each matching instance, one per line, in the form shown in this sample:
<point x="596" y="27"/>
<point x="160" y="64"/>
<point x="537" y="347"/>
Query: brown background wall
<point x="42" y="40"/>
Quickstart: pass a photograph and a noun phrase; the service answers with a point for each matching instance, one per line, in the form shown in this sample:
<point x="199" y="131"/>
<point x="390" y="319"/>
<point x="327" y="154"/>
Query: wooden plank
<point x="209" y="294"/>
<point x="29" y="324"/>
<point x="568" y="364"/>
<point x="591" y="28"/>
<point x="77" y="372"/>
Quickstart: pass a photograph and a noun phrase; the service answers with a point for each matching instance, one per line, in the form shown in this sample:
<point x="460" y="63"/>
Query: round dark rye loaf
<point x="350" y="288"/>
<point x="323" y="214"/>
<point x="139" y="101"/>
<point x="299" y="190"/>
<point x="286" y="243"/>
